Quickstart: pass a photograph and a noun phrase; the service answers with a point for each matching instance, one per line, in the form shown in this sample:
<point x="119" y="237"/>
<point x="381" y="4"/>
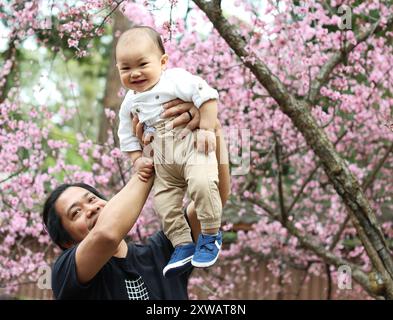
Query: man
<point x="97" y="263"/>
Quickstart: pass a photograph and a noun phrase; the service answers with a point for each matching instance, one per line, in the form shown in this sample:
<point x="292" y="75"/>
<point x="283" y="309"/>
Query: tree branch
<point x="281" y="203"/>
<point x="13" y="175"/>
<point x="366" y="184"/>
<point x="340" y="231"/>
<point x="371" y="177"/>
<point x="9" y="55"/>
<point x="329" y="281"/>
<point x="309" y="244"/>
<point x="339" y="56"/>
<point x="300" y="192"/>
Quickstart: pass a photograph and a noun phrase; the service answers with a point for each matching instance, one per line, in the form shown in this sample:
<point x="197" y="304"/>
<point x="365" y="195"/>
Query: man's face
<point x="140" y="67"/>
<point x="78" y="210"/>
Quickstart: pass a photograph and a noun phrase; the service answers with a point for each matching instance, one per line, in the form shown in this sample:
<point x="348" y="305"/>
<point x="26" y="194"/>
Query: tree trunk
<point x="298" y="111"/>
<point x="111" y="99"/>
<point x="9" y="55"/>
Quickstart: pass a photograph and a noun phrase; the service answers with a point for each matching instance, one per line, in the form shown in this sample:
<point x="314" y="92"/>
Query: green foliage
<point x="229" y="237"/>
<point x="72" y="156"/>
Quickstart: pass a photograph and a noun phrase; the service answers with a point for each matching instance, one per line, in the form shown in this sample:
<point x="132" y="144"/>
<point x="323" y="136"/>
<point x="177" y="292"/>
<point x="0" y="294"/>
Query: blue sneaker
<point x="180" y="260"/>
<point x="207" y="250"/>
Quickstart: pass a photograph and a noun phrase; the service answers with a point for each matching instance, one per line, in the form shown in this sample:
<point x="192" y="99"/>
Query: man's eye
<point x="124" y="69"/>
<point x="75" y="213"/>
<point x="91" y="198"/>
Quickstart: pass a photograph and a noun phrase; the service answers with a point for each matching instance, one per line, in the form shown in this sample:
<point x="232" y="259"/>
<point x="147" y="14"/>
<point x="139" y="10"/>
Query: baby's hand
<point x="144" y="168"/>
<point x="206" y="141"/>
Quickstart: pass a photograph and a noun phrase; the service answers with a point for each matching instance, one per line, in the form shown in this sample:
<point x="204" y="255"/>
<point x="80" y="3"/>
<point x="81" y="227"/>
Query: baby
<point x="141" y="61"/>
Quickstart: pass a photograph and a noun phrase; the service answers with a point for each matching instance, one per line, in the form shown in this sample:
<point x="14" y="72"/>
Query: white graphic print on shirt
<point x="136" y="289"/>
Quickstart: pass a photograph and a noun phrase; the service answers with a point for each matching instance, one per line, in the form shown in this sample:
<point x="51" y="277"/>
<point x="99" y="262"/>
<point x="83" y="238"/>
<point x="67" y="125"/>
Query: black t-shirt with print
<point x="136" y="277"/>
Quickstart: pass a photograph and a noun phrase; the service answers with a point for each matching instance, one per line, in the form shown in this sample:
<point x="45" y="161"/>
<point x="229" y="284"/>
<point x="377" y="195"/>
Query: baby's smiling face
<point x="140" y="62"/>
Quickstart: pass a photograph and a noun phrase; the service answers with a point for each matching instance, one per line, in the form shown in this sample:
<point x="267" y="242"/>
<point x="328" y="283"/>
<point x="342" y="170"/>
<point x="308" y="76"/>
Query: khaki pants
<point x="179" y="168"/>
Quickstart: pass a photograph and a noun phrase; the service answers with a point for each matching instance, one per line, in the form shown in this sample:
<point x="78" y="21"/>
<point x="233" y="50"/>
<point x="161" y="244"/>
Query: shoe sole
<point x="205" y="264"/>
<point x="174" y="266"/>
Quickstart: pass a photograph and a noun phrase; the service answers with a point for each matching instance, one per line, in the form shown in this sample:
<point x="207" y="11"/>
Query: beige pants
<point x="179" y="168"/>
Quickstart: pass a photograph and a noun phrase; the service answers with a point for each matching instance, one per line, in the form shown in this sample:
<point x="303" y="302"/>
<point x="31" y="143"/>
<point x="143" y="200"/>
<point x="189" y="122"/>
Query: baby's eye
<point x="143" y="64"/>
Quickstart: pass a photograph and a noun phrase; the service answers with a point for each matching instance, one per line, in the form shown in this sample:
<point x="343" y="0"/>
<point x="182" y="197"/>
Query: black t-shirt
<point x="136" y="277"/>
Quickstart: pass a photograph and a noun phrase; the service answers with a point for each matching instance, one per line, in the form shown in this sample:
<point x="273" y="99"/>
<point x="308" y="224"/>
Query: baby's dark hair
<point x="51" y="217"/>
<point x="153" y="34"/>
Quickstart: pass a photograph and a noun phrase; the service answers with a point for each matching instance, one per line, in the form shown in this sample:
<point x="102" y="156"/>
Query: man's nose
<point x="92" y="210"/>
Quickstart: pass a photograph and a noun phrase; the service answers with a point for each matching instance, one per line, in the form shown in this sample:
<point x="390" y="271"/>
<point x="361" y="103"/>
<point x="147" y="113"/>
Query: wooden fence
<point x="268" y="287"/>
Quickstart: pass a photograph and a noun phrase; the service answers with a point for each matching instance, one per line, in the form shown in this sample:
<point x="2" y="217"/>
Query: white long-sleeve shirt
<point x="174" y="83"/>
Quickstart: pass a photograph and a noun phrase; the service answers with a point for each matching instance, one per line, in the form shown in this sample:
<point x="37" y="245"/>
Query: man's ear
<point x="164" y="61"/>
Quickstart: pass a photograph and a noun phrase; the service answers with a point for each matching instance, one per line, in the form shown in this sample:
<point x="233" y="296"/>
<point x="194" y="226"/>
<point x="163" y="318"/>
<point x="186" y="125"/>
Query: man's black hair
<point x="52" y="219"/>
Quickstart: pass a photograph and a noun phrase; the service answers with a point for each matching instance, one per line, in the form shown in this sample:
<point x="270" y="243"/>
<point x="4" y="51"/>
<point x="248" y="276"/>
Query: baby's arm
<point x="134" y="155"/>
<point x="130" y="144"/>
<point x="143" y="166"/>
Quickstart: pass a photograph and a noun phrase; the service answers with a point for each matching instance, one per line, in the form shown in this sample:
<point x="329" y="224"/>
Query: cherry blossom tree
<point x="39" y="149"/>
<point x="310" y="86"/>
<point x="301" y="89"/>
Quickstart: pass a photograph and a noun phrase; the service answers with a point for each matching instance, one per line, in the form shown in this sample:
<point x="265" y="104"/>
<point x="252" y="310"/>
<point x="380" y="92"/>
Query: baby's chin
<point x="139" y="86"/>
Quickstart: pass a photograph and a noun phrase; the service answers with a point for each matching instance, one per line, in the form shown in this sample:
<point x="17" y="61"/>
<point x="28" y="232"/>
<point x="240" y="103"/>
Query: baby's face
<point x="140" y="67"/>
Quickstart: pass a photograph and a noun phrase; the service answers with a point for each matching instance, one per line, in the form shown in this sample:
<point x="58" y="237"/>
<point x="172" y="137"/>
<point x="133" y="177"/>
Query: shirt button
<point x="137" y="110"/>
<point x="157" y="97"/>
<point x="200" y="87"/>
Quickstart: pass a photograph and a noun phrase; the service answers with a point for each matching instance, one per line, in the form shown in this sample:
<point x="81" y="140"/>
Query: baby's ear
<point x="164" y="60"/>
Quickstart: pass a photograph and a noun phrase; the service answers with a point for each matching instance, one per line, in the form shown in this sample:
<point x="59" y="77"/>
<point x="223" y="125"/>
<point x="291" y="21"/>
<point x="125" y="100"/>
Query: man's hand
<point x="144" y="168"/>
<point x="206" y="141"/>
<point x="172" y="108"/>
<point x="187" y="114"/>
